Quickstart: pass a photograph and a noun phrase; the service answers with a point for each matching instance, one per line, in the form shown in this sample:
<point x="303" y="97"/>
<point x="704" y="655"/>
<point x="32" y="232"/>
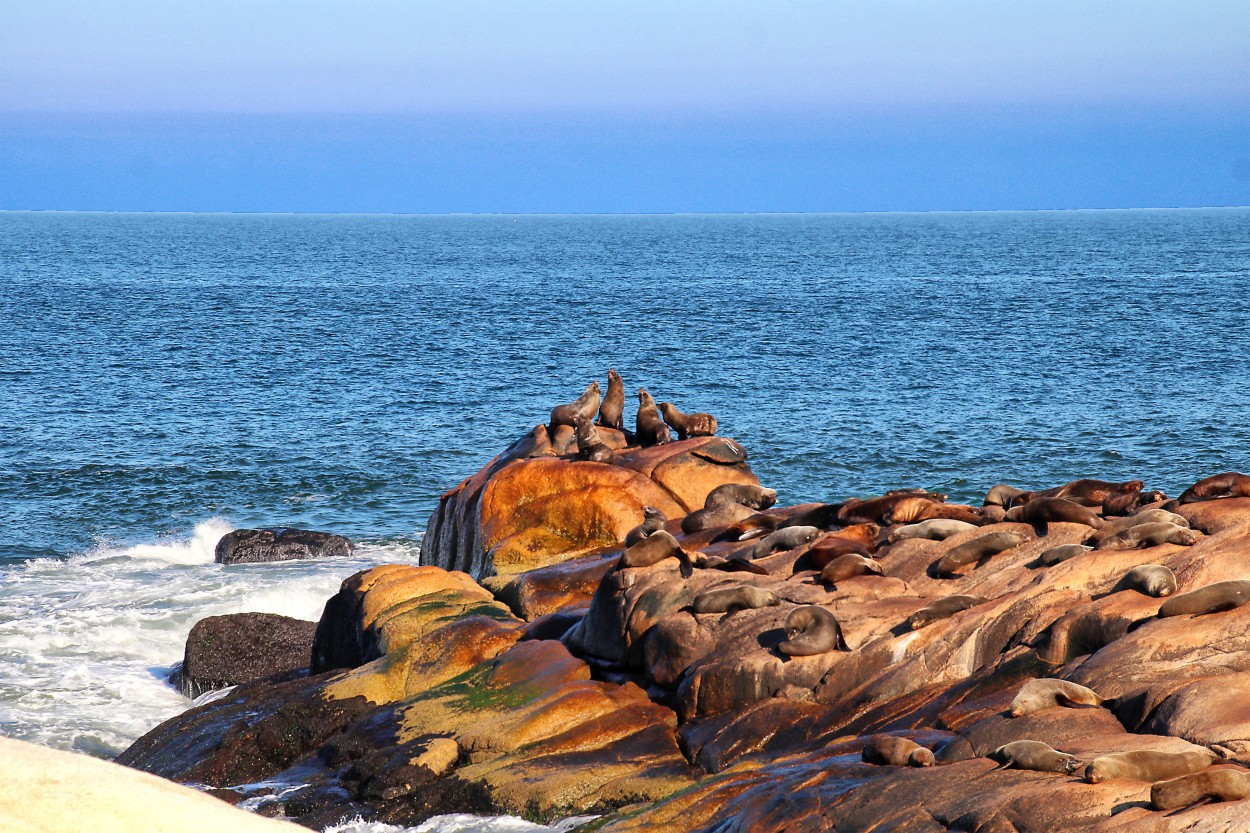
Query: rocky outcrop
<point x="251" y="546"/>
<point x="223" y="651"/>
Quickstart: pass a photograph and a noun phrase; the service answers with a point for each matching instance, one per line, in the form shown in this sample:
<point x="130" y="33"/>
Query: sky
<point x="602" y="106"/>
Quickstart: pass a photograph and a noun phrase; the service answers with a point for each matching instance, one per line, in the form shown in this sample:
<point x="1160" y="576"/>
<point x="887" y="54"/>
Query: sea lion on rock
<point x="812" y="630"/>
<point x="653" y="549"/>
<point x="878" y="510"/>
<point x="1090" y="492"/>
<point x="1228" y="484"/>
<point x="734" y="564"/>
<point x="1046" y="510"/>
<point x="1061" y="553"/>
<point x="970" y="552"/>
<point x="713" y="517"/>
<point x="849" y="566"/>
<point x="856" y="539"/>
<point x="1223" y="784"/>
<point x="589" y="445"/>
<point x="653" y="520"/>
<point x="743" y="494"/>
<point x="688" y="425"/>
<point x="888" y="750"/>
<point x="1048" y="692"/>
<point x="823" y="515"/>
<point x="612" y="411"/>
<point x="943" y="609"/>
<point x="754" y="526"/>
<point x="1149" y="516"/>
<point x="1144" y="536"/>
<point x="1147" y="765"/>
<point x="1034" y="755"/>
<point x="1151" y="579"/>
<point x="1002" y="495"/>
<point x="936" y="529"/>
<point x="648" y="426"/>
<point x="585" y="405"/>
<point x="784" y="540"/>
<point x="1214" y="598"/>
<point x="1126" y="503"/>
<point x="914" y="508"/>
<point x="733" y="599"/>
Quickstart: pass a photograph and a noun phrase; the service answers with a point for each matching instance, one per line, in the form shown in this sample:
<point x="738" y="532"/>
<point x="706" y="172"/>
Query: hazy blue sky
<point x="365" y="105"/>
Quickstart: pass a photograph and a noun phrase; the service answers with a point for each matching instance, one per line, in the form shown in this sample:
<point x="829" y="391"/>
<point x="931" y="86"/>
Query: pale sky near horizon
<point x="788" y="97"/>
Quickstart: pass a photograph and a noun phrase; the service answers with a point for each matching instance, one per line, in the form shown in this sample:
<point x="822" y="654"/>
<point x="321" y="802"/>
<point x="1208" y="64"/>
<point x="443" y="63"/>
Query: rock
<point x="222" y="651"/>
<point x="250" y="546"/>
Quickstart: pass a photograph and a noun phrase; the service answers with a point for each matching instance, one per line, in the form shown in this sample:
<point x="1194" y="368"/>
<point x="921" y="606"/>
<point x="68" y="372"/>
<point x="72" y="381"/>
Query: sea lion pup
<point x="849" y="566"/>
<point x="1002" y="495"/>
<point x="688" y="425"/>
<point x="1147" y="765"/>
<point x="1214" y="598"/>
<point x="1126" y="503"/>
<point x="648" y="426"/>
<point x="943" y="609"/>
<point x="1047" y="693"/>
<point x="1144" y="536"/>
<point x="612" y="411"/>
<point x="1089" y="492"/>
<point x="653" y="520"/>
<point x="812" y="630"/>
<point x="1223" y="784"/>
<point x="970" y="552"/>
<point x="585" y="405"/>
<point x="1044" y="510"/>
<point x="888" y="750"/>
<point x="784" y="540"/>
<point x="733" y="599"/>
<point x="1034" y="755"/>
<point x="653" y="549"/>
<point x="590" y="446"/>
<point x="936" y="529"/>
<point x="1228" y="484"/>
<point x="1151" y="579"/>
<point x="1061" y="553"/>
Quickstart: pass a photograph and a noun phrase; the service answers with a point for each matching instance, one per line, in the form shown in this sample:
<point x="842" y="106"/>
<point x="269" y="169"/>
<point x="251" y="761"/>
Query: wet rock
<point x="223" y="651"/>
<point x="250" y="546"/>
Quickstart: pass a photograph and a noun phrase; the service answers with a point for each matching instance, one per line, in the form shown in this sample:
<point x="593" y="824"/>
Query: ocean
<point x="165" y="378"/>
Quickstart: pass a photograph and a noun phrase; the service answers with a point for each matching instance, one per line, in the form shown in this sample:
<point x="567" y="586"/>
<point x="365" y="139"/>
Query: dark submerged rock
<point x="254" y="546"/>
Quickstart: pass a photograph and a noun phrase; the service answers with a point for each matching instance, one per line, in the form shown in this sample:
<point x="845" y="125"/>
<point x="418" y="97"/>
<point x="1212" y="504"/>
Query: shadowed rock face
<point x="251" y="546"/>
<point x="228" y="650"/>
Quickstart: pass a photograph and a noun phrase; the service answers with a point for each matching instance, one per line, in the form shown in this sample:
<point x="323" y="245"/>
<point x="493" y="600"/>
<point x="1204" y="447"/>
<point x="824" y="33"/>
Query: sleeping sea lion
<point x="1126" y="503"/>
<point x="648" y="426"/>
<point x="1063" y="552"/>
<point x="943" y="609"/>
<point x="755" y="526"/>
<point x="712" y="517"/>
<point x="1150" y="516"/>
<point x="1090" y="492"/>
<point x="743" y="494"/>
<point x="888" y="750"/>
<point x="1222" y="784"/>
<point x="970" y="552"/>
<point x="823" y="515"/>
<point x="812" y="630"/>
<point x="1228" y="484"/>
<point x="585" y="405"/>
<point x="1151" y="579"/>
<point x="1144" y="536"/>
<point x="688" y="425"/>
<point x="1044" y="510"/>
<point x="1034" y="755"/>
<point x="784" y="540"/>
<point x="849" y="566"/>
<point x="652" y="520"/>
<point x="1147" y="765"/>
<point x="653" y="549"/>
<point x="612" y="411"/>
<point x="1047" y="692"/>
<point x="936" y="529"/>
<point x="590" y="446"/>
<point x="1002" y="495"/>
<point x="878" y="509"/>
<point x="856" y="539"/>
<point x="1214" y="598"/>
<point x="733" y="599"/>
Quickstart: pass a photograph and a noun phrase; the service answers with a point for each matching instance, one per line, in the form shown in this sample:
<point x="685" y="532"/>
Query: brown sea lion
<point x="1118" y="524"/>
<point x="756" y="526"/>
<point x="943" y="609"/>
<point x="1222" y="784"/>
<point x="849" y="566"/>
<point x="878" y="509"/>
<point x="1153" y="580"/>
<point x="1144" y="536"/>
<point x="970" y="552"/>
<point x="586" y="405"/>
<point x="653" y="549"/>
<point x="1047" y="693"/>
<point x="823" y="515"/>
<point x="1228" y="484"/>
<point x="1044" y="510"/>
<point x="734" y="564"/>
<point x="936" y="529"/>
<point x="743" y="494"/>
<point x="784" y="540"/>
<point x="856" y="539"/>
<point x="1002" y="495"/>
<point x="1089" y="492"/>
<point x="1214" y="598"/>
<point x="1147" y="765"/>
<point x="888" y="750"/>
<point x="1034" y="755"/>
<point x="1061" y="553"/>
<point x="993" y="514"/>
<point x="1126" y="503"/>
<point x="688" y="425"/>
<point x="653" y="520"/>
<point x="648" y="426"/>
<point x="733" y="599"/>
<point x="612" y="411"/>
<point x="714" y="517"/>
<point x="590" y="446"/>
<point x="812" y="630"/>
<point x="914" y="509"/>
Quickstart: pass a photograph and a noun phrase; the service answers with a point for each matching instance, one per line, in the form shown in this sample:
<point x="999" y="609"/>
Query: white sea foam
<point x="86" y="643"/>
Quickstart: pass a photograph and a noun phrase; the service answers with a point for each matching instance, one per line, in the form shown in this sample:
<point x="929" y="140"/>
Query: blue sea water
<point x="164" y="378"/>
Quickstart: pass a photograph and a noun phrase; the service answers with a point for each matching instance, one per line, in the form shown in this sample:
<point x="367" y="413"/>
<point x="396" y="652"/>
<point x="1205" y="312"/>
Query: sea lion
<point x="1126" y="503"/>
<point x="1228" y="484"/>
<point x="993" y="515"/>
<point x="653" y="520"/>
<point x="653" y="549"/>
<point x="849" y="566"/>
<point x="943" y="609"/>
<point x="1047" y="692"/>
<point x="1144" y="536"/>
<point x="688" y="425"/>
<point x="1151" y="579"/>
<point x="1116" y="525"/>
<point x="784" y="540"/>
<point x="856" y="539"/>
<point x="1214" y="598"/>
<point x="585" y="405"/>
<point x="1090" y="492"/>
<point x="1223" y="784"/>
<point x="754" y="526"/>
<point x="743" y="494"/>
<point x="1063" y="552"/>
<point x="1044" y="510"/>
<point x="713" y="517"/>
<point x="914" y="508"/>
<point x="812" y="630"/>
<point x="733" y="599"/>
<point x="1034" y="755"/>
<point x="648" y="426"/>
<point x="1002" y="495"/>
<point x="970" y="552"/>
<point x="612" y="411"/>
<point x="1147" y="765"/>
<point x="823" y="515"/>
<point x="590" y="446"/>
<point x="888" y="750"/>
<point x="879" y="509"/>
<point x="936" y="529"/>
<point x="733" y="564"/>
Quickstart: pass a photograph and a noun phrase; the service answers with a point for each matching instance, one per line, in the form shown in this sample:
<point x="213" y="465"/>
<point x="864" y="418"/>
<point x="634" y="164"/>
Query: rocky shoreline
<point x="525" y="669"/>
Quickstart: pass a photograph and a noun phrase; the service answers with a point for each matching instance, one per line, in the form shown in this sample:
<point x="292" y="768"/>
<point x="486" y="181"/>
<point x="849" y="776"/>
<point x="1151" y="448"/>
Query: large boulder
<point x="222" y="651"/>
<point x="251" y="546"/>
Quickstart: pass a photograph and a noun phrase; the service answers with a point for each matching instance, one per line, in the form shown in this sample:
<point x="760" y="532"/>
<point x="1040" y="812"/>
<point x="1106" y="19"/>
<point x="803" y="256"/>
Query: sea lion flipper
<point x="1069" y="703"/>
